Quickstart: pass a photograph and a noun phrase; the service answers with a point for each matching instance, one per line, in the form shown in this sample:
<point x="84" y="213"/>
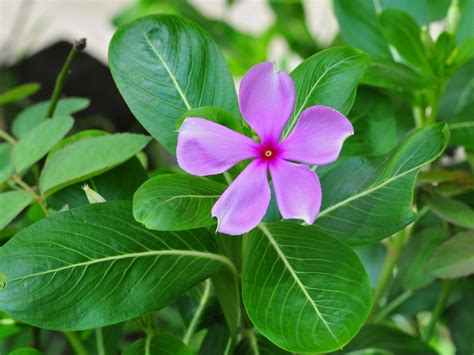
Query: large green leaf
<point x="11" y="204"/>
<point x="166" y="65"/>
<point x="35" y="114"/>
<point x="379" y="339"/>
<point x="360" y="27"/>
<point x="454" y="258"/>
<point x="176" y="202"/>
<point x="89" y="157"/>
<point x="18" y="93"/>
<point x="329" y="78"/>
<point x="366" y="200"/>
<point x="38" y="142"/>
<point x="423" y="11"/>
<point x="95" y="266"/>
<point x="401" y="31"/>
<point x="304" y="291"/>
<point x="162" y="343"/>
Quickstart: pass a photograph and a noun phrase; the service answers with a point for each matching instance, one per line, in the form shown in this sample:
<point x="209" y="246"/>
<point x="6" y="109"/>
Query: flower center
<point x="268" y="153"/>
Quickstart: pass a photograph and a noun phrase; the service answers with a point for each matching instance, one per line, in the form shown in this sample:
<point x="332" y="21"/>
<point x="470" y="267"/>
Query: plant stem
<point x="58" y="86"/>
<point x="32" y="192"/>
<point x="394" y="247"/>
<point x="7" y="137"/>
<point x="100" y="341"/>
<point x="197" y="315"/>
<point x="392" y="305"/>
<point x="76" y="343"/>
<point x="419" y="116"/>
<point x="227" y="177"/>
<point x="446" y="288"/>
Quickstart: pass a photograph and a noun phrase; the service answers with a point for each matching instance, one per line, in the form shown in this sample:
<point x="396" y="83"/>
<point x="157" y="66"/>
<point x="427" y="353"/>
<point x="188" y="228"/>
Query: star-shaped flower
<point x="267" y="99"/>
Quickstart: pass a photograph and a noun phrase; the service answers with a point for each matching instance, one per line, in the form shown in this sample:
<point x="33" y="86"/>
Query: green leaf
<point x="460" y="320"/>
<point x="38" y="142"/>
<point x="380" y="339"/>
<point x="11" y="204"/>
<point x="162" y="343"/>
<point x="227" y="288"/>
<point x="95" y="266"/>
<point x="368" y="199"/>
<point x="463" y="54"/>
<point x="6" y="166"/>
<point x="117" y="184"/>
<point x="165" y="65"/>
<point x="176" y="202"/>
<point x="395" y="76"/>
<point x="453" y="211"/>
<point x="414" y="271"/>
<point x="373" y="117"/>
<point x="454" y="258"/>
<point x="424" y="11"/>
<point x="360" y="27"/>
<point x="18" y="93"/>
<point x="304" y="291"/>
<point x="329" y="78"/>
<point x="35" y="114"/>
<point x="88" y="133"/>
<point x="466" y="23"/>
<point x="213" y="114"/>
<point x="89" y="157"/>
<point x="462" y="134"/>
<point x="401" y="31"/>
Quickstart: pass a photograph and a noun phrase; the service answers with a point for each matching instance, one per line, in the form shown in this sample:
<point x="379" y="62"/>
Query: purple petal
<point x="267" y="99"/>
<point x="297" y="190"/>
<point x="207" y="148"/>
<point x="243" y="205"/>
<point x="317" y="137"/>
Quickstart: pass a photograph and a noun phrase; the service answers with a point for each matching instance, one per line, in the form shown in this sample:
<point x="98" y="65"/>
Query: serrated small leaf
<point x="38" y="141"/>
<point x="89" y="157"/>
<point x="11" y="204"/>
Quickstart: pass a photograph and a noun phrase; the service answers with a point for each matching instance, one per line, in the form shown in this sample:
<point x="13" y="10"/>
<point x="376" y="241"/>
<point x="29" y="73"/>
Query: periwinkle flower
<point x="267" y="99"/>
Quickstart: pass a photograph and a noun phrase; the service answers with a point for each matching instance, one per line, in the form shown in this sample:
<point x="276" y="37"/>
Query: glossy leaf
<point x="454" y="258"/>
<point x="414" y="271"/>
<point x="6" y="166"/>
<point x="38" y="142"/>
<point x="162" y="343"/>
<point x="213" y="114"/>
<point x="329" y="78"/>
<point x="11" y="204"/>
<point x="366" y="200"/>
<point x="360" y="27"/>
<point x="89" y="157"/>
<point x="403" y="33"/>
<point x="176" y="202"/>
<point x="18" y="93"/>
<point x="380" y="339"/>
<point x="423" y="11"/>
<point x="304" y="291"/>
<point x="35" y="114"/>
<point x="95" y="266"/>
<point x="452" y="211"/>
<point x="165" y="65"/>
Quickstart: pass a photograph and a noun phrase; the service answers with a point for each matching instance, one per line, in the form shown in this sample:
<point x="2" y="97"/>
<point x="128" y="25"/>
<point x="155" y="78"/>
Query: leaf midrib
<point x="300" y="284"/>
<point x="170" y="73"/>
<point x="189" y="253"/>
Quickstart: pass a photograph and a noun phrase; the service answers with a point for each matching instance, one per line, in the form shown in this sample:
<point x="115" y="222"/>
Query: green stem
<point x="76" y="343"/>
<point x="32" y="192"/>
<point x="394" y="247"/>
<point x="446" y="288"/>
<point x="100" y="341"/>
<point x="385" y="312"/>
<point x="227" y="177"/>
<point x="149" y="337"/>
<point x="419" y="116"/>
<point x="199" y="311"/>
<point x="58" y="86"/>
<point x="7" y="137"/>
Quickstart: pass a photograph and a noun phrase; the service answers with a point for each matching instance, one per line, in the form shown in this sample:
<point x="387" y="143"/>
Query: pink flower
<point x="267" y="100"/>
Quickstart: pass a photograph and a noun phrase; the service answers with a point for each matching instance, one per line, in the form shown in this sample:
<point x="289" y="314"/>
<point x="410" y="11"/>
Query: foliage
<point x="131" y="262"/>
